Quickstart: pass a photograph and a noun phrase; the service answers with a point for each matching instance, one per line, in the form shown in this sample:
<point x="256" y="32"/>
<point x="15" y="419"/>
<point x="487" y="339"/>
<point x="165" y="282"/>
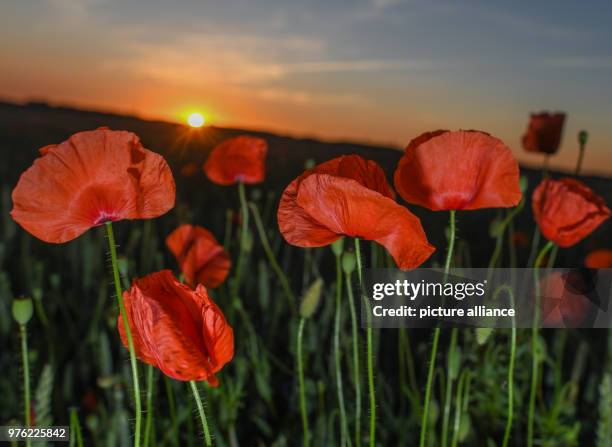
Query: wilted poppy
<point x="544" y="132"/>
<point x="562" y="303"/>
<point x="567" y="210"/>
<point x="460" y="170"/>
<point x="201" y="258"/>
<point x="92" y="178"/>
<point x="239" y="159"/>
<point x="349" y="196"/>
<point x="178" y="330"/>
<point x="599" y="259"/>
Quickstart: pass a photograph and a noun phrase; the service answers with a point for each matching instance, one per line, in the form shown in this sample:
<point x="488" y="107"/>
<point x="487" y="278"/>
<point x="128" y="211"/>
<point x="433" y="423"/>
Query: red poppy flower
<point x="349" y="196"/>
<point x="562" y="303"/>
<point x="93" y="177"/>
<point x="189" y="169"/>
<point x="178" y="330"/>
<point x="201" y="258"/>
<point x="462" y="170"/>
<point x="544" y="132"/>
<point x="599" y="259"/>
<point x="567" y="211"/>
<point x="239" y="159"/>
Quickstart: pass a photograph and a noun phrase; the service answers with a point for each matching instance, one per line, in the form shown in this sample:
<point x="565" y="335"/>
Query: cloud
<point x="591" y="62"/>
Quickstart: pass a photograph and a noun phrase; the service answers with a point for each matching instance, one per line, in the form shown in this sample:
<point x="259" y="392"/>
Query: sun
<point x="196" y="120"/>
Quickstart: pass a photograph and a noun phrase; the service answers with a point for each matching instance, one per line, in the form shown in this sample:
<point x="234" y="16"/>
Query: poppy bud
<point x="583" y="136"/>
<point x="311" y="299"/>
<point x="348" y="263"/>
<point x="22" y="310"/>
<point x="496" y="228"/>
<point x="337" y="246"/>
<point x="523" y="183"/>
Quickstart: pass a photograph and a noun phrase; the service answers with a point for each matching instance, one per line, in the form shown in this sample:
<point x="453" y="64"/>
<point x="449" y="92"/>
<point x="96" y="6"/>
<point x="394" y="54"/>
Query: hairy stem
<point x="535" y="354"/>
<point x="198" y="399"/>
<point x="300" y="368"/>
<point x="128" y="332"/>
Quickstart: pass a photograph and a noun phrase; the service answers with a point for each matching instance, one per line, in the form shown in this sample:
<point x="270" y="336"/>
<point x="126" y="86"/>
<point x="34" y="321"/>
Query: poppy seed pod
<point x="22" y="310"/>
<point x="312" y="298"/>
<point x="583" y="137"/>
<point x="348" y="262"/>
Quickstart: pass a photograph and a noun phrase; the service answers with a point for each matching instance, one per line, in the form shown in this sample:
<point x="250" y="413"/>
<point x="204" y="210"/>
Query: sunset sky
<point x="377" y="71"/>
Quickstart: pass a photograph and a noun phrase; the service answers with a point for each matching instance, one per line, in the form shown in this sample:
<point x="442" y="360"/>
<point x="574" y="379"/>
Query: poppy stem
<point x="244" y="234"/>
<point x="436" y="338"/>
<point x="76" y="436"/>
<point x="149" y="419"/>
<point x="369" y="349"/>
<point x="26" y="378"/>
<point x="535" y="350"/>
<point x="300" y="367"/>
<point x="273" y="262"/>
<point x="198" y="399"/>
<point x="338" y="355"/>
<point x="128" y="331"/>
<point x="356" y="375"/>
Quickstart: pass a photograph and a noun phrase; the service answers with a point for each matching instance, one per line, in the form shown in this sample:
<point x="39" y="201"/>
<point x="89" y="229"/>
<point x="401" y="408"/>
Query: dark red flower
<point x="239" y="159"/>
<point x="349" y="196"/>
<point x="567" y="210"/>
<point x="178" y="330"/>
<point x="462" y="170"/>
<point x="544" y="132"/>
<point x="201" y="258"/>
<point x="93" y="177"/>
<point x="599" y="259"/>
<point x="562" y="303"/>
<point x="189" y="169"/>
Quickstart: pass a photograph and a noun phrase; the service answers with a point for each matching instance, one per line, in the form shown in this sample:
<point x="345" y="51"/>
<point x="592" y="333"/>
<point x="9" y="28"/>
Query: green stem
<point x="369" y="349"/>
<point x="436" y="338"/>
<point x="338" y="356"/>
<point x="198" y="399"/>
<point x="356" y="375"/>
<point x="26" y="378"/>
<point x="300" y="367"/>
<point x="128" y="331"/>
<point x="76" y="436"/>
<point x="510" y="416"/>
<point x="449" y="388"/>
<point x="272" y="259"/>
<point x="149" y="419"/>
<point x="244" y="234"/>
<point x="460" y="402"/>
<point x="172" y="408"/>
<point x="535" y="357"/>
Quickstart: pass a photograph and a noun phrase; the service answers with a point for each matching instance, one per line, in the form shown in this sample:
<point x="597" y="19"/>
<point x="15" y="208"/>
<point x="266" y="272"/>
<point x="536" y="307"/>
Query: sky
<point x="377" y="71"/>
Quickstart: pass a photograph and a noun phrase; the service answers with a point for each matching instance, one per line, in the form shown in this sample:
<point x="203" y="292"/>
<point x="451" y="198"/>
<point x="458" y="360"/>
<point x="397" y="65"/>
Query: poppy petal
<point x="348" y="208"/>
<point x="599" y="259"/>
<point x="239" y="159"/>
<point x="462" y="170"/>
<point x="567" y="210"/>
<point x="297" y="227"/>
<point x="171" y="324"/>
<point x="544" y="132"/>
<point x="93" y="177"/>
<point x="201" y="258"/>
